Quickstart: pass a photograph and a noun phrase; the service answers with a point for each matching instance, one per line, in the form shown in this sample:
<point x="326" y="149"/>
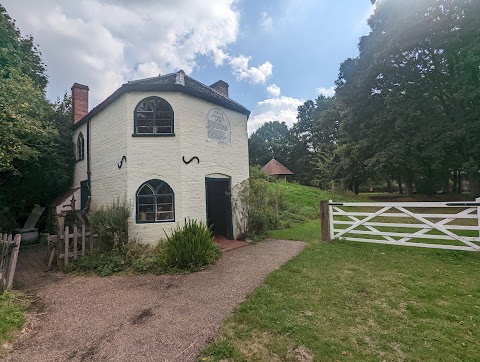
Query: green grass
<point x="300" y="203"/>
<point x="309" y="231"/>
<point x="13" y="306"/>
<point x="349" y="301"/>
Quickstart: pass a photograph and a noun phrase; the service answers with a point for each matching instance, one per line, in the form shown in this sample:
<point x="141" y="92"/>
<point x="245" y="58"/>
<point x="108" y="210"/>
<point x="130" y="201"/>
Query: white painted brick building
<point x="135" y="145"/>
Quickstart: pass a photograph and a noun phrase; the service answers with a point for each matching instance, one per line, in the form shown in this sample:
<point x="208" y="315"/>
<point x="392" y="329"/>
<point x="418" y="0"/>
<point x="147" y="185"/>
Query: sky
<point x="274" y="54"/>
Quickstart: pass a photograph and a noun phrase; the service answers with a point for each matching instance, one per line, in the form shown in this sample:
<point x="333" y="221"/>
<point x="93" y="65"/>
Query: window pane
<point x="145" y="190"/>
<point x="164" y="130"/>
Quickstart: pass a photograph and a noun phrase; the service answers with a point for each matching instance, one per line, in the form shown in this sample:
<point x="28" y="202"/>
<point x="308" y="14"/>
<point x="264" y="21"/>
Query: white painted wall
<point x="108" y="144"/>
<point x="161" y="158"/>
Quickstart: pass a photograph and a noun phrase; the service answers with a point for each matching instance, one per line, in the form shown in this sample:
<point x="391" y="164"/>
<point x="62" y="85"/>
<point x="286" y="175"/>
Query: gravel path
<point x="146" y="317"/>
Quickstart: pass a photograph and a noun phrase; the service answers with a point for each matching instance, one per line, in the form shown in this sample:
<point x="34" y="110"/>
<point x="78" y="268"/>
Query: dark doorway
<point x="219" y="206"/>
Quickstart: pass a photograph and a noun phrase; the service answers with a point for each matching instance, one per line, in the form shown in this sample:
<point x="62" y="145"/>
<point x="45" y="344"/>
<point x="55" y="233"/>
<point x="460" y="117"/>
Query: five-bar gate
<point x="443" y="225"/>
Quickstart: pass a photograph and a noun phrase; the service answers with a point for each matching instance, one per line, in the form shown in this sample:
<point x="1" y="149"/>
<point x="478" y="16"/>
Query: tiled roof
<point x="273" y="167"/>
<point x="168" y="83"/>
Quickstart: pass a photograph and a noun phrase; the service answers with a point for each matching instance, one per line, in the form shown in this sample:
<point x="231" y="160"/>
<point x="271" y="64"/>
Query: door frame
<point x="229" y="218"/>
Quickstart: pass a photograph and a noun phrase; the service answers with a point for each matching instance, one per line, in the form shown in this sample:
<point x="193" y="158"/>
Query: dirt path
<point x="146" y="318"/>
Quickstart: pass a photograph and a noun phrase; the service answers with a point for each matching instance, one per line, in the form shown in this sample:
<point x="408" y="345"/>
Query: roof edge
<point x="137" y="87"/>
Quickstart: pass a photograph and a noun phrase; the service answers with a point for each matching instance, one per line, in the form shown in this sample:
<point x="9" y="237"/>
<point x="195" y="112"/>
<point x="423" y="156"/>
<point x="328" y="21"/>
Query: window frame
<point x="154" y="118"/>
<point x="80" y="147"/>
<point x="155" y="195"/>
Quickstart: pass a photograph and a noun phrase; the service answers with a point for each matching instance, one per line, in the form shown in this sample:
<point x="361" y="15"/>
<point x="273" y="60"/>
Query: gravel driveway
<point x="146" y="317"/>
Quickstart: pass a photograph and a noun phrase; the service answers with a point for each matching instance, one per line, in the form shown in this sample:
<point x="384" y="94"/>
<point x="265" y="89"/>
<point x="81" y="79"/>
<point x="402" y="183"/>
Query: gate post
<point x="478" y="215"/>
<point x="325" y="220"/>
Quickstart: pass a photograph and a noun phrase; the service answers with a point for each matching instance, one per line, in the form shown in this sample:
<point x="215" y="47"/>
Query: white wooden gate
<point x="445" y="225"/>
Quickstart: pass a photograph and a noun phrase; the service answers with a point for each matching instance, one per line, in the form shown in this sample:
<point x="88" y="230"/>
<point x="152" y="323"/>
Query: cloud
<point x="327" y="92"/>
<point x="282" y="109"/>
<point x="253" y="74"/>
<point x="104" y="43"/>
<point x="274" y="90"/>
<point x="266" y="21"/>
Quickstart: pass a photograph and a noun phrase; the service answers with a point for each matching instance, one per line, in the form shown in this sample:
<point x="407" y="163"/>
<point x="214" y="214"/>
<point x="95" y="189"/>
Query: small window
<point x="153" y="116"/>
<point x="155" y="202"/>
<point x="80" y="147"/>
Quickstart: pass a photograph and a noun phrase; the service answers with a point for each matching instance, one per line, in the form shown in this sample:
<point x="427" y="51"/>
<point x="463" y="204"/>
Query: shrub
<point x="101" y="263"/>
<point x="254" y="204"/>
<point x="110" y="223"/>
<point x="190" y="247"/>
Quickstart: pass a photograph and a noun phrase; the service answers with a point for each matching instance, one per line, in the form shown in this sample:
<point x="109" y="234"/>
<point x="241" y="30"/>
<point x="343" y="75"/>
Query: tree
<point x="411" y="92"/>
<point x="36" y="151"/>
<point x="270" y="140"/>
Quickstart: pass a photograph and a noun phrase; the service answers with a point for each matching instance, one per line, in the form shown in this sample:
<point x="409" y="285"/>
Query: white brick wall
<point x="161" y="158"/>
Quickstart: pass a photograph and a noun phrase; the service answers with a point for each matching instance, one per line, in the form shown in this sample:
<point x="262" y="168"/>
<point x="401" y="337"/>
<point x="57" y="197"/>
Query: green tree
<point x="36" y="151"/>
<point x="270" y="140"/>
<point x="412" y="90"/>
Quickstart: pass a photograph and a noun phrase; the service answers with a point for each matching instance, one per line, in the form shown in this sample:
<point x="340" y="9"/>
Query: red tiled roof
<point x="273" y="167"/>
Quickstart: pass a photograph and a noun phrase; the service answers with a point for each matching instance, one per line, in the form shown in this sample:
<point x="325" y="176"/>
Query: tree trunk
<point x="446" y="185"/>
<point x="389" y="186"/>
<point x="474" y="179"/>
<point x="409" y="184"/>
<point x="455" y="182"/>
<point x="459" y="182"/>
<point x="356" y="185"/>
<point x="400" y="188"/>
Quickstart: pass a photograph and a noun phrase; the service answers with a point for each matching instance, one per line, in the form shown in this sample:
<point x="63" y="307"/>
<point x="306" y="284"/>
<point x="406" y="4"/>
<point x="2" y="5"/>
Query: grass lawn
<point x="13" y="307"/>
<point x="348" y="301"/>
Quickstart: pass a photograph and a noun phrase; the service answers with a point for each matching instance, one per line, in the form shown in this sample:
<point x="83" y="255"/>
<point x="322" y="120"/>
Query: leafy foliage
<point x="110" y="223"/>
<point x="405" y="108"/>
<point x="36" y="136"/>
<point x="254" y="204"/>
<point x="191" y="247"/>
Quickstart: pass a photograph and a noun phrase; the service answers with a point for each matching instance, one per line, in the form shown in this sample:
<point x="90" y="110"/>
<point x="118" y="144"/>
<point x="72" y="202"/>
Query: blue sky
<point x="274" y="54"/>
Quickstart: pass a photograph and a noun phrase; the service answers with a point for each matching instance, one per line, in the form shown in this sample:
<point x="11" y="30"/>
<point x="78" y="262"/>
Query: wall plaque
<point x="218" y="127"/>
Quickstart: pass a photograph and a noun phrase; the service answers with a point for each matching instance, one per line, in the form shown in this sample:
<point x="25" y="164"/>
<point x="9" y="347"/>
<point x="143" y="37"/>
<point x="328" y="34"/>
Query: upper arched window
<point x="80" y="147"/>
<point x="155" y="202"/>
<point x="153" y="116"/>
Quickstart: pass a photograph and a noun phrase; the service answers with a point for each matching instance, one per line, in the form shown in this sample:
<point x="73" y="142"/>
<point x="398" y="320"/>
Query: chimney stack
<point x="221" y="87"/>
<point x="79" y="101"/>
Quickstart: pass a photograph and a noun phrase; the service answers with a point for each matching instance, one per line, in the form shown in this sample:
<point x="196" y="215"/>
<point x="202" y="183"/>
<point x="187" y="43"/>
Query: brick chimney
<point x="79" y="101"/>
<point x="221" y="87"/>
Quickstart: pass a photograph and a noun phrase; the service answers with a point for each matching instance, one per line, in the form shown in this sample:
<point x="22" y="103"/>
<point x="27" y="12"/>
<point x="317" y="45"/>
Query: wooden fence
<point x="69" y="243"/>
<point x="446" y="225"/>
<point x="9" y="247"/>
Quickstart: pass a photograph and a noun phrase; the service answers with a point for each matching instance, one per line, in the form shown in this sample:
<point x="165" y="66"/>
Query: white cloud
<point x="253" y="74"/>
<point x="274" y="90"/>
<point x="283" y="109"/>
<point x="103" y="43"/>
<point x="266" y="21"/>
<point x="327" y="92"/>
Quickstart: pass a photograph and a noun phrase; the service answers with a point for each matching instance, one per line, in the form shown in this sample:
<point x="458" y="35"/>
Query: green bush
<point x="110" y="223"/>
<point x="190" y="247"/>
<point x="254" y="205"/>
<point x="101" y="263"/>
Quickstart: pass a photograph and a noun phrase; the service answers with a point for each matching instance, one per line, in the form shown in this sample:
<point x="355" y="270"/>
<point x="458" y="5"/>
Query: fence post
<point x="13" y="260"/>
<point x="75" y="241"/>
<point x="325" y="220"/>
<point x="83" y="239"/>
<point x="478" y="215"/>
<point x="60" y="231"/>
<point x="66" y="239"/>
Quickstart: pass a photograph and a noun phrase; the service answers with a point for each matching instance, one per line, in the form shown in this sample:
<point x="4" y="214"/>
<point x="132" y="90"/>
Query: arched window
<point x="155" y="202"/>
<point x="80" y="147"/>
<point x="153" y="116"/>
